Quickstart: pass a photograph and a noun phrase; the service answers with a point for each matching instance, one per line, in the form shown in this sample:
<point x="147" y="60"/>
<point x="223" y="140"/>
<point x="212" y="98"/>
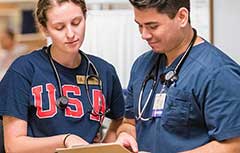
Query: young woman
<point x="57" y="96"/>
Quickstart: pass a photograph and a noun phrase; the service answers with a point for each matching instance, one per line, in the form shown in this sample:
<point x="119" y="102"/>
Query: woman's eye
<point x="76" y="22"/>
<point x="59" y="28"/>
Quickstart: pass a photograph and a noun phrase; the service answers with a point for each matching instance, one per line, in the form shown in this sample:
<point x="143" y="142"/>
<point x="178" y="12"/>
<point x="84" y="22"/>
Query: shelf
<point x="16" y="1"/>
<point x="106" y="1"/>
<point x="30" y="37"/>
<point x="33" y="41"/>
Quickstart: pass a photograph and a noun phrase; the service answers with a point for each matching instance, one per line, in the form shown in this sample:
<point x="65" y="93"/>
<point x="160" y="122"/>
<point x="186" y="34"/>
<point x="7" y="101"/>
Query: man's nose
<point x="146" y="35"/>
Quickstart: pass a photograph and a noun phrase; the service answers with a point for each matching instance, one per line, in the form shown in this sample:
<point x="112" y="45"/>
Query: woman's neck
<point x="70" y="60"/>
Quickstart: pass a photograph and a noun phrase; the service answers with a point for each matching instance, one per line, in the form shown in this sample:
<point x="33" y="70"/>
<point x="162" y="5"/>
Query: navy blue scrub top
<point x="203" y="105"/>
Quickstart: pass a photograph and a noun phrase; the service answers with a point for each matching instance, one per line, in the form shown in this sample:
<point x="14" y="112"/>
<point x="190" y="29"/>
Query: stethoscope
<point x="167" y="79"/>
<point x="62" y="101"/>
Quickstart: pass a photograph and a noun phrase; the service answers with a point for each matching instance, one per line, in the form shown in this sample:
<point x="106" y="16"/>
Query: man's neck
<point x="181" y="48"/>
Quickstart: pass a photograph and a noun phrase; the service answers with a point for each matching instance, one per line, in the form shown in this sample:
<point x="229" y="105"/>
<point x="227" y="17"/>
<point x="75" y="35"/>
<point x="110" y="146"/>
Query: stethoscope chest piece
<point x="62" y="102"/>
<point x="167" y="79"/>
<point x="170" y="75"/>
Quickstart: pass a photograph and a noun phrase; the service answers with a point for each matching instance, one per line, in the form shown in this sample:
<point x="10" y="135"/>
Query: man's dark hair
<point x="169" y="7"/>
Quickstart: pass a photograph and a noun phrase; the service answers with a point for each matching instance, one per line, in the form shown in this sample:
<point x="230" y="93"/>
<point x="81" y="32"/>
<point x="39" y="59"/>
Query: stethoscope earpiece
<point x="62" y="102"/>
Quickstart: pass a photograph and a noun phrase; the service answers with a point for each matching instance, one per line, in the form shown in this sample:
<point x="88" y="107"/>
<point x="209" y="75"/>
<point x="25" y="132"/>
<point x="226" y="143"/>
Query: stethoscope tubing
<point x="172" y="78"/>
<point x="87" y="75"/>
<point x="140" y="112"/>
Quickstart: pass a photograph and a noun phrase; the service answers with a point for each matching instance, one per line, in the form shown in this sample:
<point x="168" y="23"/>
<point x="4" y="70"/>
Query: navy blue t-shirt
<point x="29" y="91"/>
<point x="201" y="106"/>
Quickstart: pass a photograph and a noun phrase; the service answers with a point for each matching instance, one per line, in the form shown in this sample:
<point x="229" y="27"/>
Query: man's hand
<point x="127" y="141"/>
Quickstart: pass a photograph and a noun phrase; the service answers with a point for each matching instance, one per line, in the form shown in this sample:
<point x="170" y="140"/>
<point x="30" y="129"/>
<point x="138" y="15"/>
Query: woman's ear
<point x="44" y="30"/>
<point x="182" y="16"/>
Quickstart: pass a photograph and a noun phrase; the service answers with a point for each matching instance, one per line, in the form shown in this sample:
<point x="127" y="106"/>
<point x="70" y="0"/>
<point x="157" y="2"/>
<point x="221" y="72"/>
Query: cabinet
<point x="12" y="16"/>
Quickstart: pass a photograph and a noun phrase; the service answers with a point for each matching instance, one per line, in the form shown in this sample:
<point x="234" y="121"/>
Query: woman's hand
<point x="73" y="140"/>
<point x="97" y="138"/>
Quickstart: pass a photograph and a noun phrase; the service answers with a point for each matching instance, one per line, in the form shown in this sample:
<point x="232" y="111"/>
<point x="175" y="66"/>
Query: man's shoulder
<point x="145" y="58"/>
<point x="211" y="57"/>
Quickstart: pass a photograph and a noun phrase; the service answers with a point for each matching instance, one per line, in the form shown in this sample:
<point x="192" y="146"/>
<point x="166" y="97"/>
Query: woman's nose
<point x="69" y="32"/>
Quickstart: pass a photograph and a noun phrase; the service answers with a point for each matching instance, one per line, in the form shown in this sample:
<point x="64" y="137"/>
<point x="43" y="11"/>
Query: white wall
<point x="227" y="27"/>
<point x="114" y="36"/>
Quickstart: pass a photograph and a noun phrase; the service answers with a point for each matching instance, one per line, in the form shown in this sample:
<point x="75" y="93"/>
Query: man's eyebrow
<point x="147" y="23"/>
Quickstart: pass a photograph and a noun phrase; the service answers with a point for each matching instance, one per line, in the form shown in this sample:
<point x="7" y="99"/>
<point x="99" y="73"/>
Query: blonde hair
<point x="44" y="5"/>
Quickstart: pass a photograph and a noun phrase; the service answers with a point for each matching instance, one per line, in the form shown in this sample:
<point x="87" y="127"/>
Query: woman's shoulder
<point x="100" y="62"/>
<point x="30" y="56"/>
<point x="27" y="60"/>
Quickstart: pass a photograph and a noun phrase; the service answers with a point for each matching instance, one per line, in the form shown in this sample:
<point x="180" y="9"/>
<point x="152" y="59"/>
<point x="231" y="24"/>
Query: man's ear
<point x="182" y="16"/>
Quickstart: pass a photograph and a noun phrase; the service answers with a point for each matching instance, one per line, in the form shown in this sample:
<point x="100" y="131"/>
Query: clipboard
<point x="94" y="148"/>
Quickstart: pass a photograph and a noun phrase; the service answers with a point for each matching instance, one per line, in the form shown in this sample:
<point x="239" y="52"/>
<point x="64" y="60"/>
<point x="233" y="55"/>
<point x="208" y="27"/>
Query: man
<point x="183" y="95"/>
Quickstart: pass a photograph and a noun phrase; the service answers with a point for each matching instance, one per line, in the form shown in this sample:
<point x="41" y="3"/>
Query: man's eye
<point x="153" y="27"/>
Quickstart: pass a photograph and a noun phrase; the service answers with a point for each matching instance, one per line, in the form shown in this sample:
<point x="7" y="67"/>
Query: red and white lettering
<point x="38" y="102"/>
<point x="75" y="106"/>
<point x="99" y="105"/>
<point x="78" y="112"/>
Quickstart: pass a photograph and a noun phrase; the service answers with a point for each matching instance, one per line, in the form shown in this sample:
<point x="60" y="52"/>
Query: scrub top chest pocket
<point x="175" y="117"/>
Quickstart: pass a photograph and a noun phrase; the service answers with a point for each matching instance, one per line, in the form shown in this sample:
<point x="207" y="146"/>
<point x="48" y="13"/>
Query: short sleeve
<point x="14" y="98"/>
<point x="129" y="104"/>
<point x="222" y="107"/>
<point x="117" y="100"/>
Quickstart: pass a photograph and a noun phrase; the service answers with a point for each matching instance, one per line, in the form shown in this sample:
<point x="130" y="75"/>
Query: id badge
<point x="158" y="104"/>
